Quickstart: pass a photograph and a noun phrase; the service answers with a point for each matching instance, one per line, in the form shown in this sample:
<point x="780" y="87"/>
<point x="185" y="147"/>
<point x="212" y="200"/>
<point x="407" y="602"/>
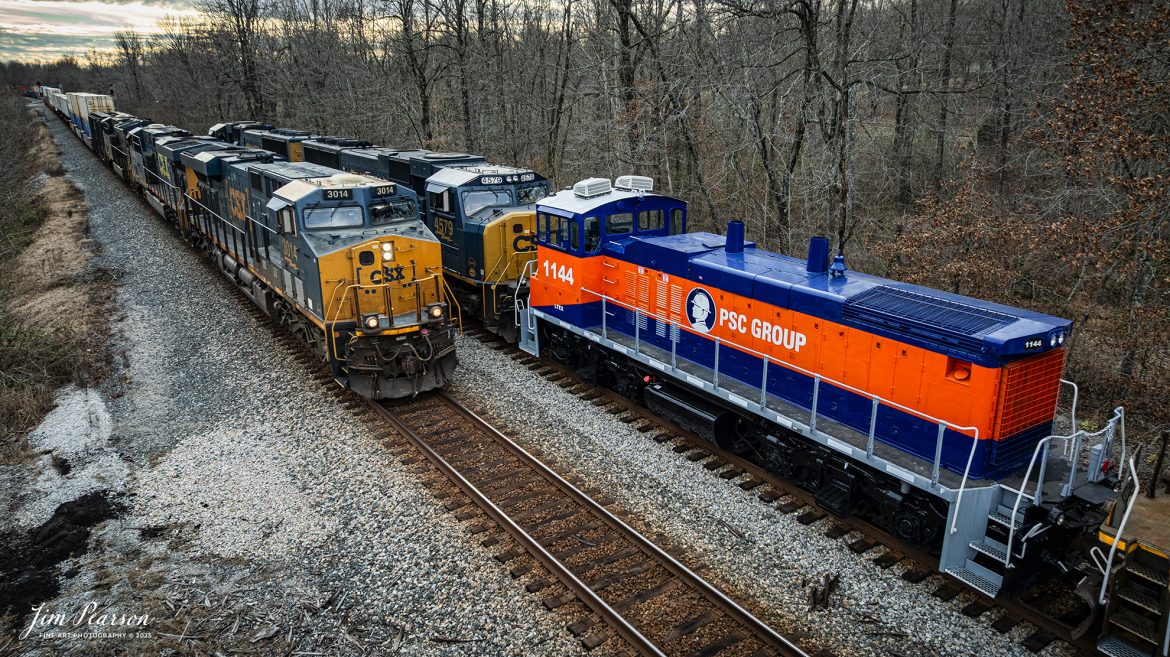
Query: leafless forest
<point x="1014" y="150"/>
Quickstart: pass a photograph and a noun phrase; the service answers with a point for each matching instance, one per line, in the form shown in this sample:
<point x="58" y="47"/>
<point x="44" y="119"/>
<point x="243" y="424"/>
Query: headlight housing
<point x="387" y="250"/>
<point x="371" y="322"/>
<point x="436" y="311"/>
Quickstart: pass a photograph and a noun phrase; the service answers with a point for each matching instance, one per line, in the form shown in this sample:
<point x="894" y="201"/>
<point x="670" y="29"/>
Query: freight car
<point x="927" y="414"/>
<point x="81" y="105"/>
<point x="341" y="260"/>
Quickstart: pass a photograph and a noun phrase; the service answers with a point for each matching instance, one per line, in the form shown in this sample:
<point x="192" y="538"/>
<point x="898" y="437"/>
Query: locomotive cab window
<point x="649" y="220"/>
<point x="592" y="227"/>
<point x="285" y="220"/>
<point x="531" y="194"/>
<point x="619" y="224"/>
<point x="342" y="216"/>
<point x="676" y="222"/>
<point x="440" y="201"/>
<point x="480" y="199"/>
<point x="391" y="211"/>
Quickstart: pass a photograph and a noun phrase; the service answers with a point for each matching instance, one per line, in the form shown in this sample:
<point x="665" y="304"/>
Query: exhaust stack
<point x="735" y="236"/>
<point x="818" y="255"/>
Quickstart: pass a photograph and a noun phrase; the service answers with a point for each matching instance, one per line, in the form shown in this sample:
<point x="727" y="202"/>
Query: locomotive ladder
<point x="990" y="558"/>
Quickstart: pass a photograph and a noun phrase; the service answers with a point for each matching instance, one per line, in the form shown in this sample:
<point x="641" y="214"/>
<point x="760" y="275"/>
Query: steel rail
<point x="590" y="598"/>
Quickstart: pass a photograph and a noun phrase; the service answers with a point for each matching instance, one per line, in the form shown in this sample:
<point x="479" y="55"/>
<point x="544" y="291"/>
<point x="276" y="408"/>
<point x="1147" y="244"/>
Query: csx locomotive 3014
<point x="342" y="260"/>
<point x="927" y="414"/>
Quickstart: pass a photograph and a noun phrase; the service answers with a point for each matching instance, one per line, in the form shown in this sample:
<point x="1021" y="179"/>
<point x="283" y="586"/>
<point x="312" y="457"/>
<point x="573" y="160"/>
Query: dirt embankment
<point x="53" y="318"/>
<point x="54" y="331"/>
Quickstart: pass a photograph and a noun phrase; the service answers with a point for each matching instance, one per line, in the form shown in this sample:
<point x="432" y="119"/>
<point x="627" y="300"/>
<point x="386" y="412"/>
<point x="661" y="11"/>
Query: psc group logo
<point x="701" y="310"/>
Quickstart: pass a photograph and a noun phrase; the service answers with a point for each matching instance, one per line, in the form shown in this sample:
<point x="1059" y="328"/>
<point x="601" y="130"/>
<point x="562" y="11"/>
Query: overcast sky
<point x="48" y="29"/>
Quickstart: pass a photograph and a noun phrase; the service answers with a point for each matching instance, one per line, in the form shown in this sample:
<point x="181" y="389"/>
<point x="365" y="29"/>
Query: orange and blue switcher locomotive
<point x="926" y="413"/>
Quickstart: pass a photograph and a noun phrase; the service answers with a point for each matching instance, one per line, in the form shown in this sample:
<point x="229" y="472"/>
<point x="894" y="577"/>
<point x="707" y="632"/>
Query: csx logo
<point x="524" y="243"/>
<point x="387" y="275"/>
<point x="239" y="203"/>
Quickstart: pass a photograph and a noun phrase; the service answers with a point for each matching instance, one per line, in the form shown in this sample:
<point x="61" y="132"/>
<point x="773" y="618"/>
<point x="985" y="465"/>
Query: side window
<point x="619" y="224"/>
<point x="287" y="221"/>
<point x="254" y="178"/>
<point x="554" y="230"/>
<point x="574" y="236"/>
<point x="649" y="220"/>
<point x="441" y="201"/>
<point x="676" y="221"/>
<point x="592" y="234"/>
<point x="542" y="227"/>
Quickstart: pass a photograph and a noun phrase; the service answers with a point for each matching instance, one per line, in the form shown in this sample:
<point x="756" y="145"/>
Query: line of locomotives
<point x="930" y="415"/>
<point x="342" y="260"/>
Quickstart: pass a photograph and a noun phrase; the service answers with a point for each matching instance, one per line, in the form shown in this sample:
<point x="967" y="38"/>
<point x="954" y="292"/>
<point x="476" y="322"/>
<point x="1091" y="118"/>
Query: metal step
<point x="1115" y="647"/>
<point x="991" y="548"/>
<point x="978" y="578"/>
<point x="1140" y="598"/>
<point x="1142" y="628"/>
<point x="1003" y="516"/>
<point x="1149" y="574"/>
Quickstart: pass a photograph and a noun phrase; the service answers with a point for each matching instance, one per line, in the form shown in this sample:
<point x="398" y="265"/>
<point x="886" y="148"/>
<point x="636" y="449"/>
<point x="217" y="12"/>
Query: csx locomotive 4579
<point x="344" y="261"/>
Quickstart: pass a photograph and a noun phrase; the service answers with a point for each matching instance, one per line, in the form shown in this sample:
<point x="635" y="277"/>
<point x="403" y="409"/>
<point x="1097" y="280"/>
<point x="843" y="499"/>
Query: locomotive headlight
<point x="387" y="250"/>
<point x="1060" y="339"/>
<point x="370" y="322"/>
<point x="1052" y="341"/>
<point x="435" y="311"/>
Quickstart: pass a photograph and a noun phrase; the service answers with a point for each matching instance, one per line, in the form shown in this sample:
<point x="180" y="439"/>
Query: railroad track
<point x="636" y="592"/>
<point x="1046" y="611"/>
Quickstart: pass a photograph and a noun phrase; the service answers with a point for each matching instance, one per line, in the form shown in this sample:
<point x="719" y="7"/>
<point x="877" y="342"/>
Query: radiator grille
<point x="1028" y="393"/>
<point x="923" y="316"/>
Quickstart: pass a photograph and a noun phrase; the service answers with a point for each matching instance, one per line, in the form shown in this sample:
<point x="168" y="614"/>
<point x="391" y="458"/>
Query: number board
<point x="339" y="195"/>
<point x="491" y="180"/>
<point x="1033" y="344"/>
<point x="383" y="190"/>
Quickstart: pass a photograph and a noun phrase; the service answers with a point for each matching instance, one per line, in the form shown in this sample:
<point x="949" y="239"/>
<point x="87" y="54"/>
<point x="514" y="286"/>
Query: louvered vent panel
<point x="1028" y="393"/>
<point x="923" y="316"/>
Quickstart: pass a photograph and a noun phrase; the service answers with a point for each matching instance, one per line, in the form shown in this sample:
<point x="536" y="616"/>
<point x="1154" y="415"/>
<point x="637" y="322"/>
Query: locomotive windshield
<point x="385" y="213"/>
<point x="532" y="194"/>
<point x="477" y="200"/>
<point x="343" y="216"/>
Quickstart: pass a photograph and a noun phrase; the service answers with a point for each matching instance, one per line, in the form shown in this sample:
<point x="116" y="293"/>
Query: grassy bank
<point x="52" y="331"/>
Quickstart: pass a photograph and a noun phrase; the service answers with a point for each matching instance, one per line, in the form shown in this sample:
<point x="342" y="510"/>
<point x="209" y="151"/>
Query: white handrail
<point x="1023" y="488"/>
<point x="1072" y="411"/>
<point x="1137" y="486"/>
<point x="963" y="485"/>
<point x="797" y="368"/>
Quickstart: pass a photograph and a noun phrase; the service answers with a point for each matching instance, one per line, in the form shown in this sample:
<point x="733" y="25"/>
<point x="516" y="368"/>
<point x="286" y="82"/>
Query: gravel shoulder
<point x="258" y="513"/>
